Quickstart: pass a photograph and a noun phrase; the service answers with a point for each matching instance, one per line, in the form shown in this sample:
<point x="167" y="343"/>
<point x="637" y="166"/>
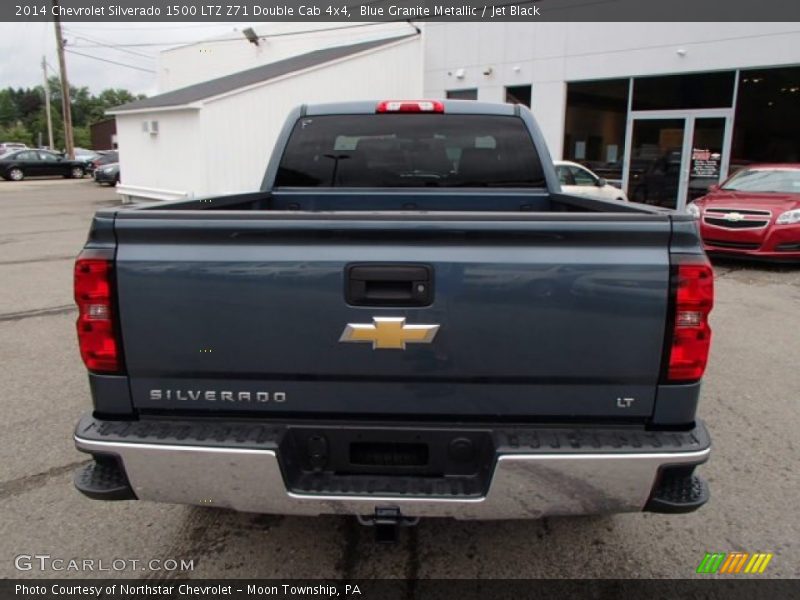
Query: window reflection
<point x="594" y="133"/>
<point x="767" y="128"/>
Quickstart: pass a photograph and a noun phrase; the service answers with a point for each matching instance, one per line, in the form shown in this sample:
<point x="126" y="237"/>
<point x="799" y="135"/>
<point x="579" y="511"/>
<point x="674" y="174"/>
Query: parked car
<point x="6" y="147"/>
<point x="104" y="157"/>
<point x="85" y="156"/>
<point x="84" y="153"/>
<point x="577" y="179"/>
<point x="15" y="166"/>
<point x="108" y="174"/>
<point x="455" y="338"/>
<point x="754" y="213"/>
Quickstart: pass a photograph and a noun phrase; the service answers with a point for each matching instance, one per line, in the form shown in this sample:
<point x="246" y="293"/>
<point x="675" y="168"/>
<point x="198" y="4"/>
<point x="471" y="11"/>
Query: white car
<point x="577" y="179"/>
<point x="7" y="147"/>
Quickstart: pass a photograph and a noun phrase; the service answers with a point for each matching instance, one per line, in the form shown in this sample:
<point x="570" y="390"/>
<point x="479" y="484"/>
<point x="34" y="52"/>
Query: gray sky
<point x="23" y="44"/>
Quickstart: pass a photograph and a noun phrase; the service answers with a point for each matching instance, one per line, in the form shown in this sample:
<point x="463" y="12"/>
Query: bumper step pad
<point x="679" y="493"/>
<point x="103" y="481"/>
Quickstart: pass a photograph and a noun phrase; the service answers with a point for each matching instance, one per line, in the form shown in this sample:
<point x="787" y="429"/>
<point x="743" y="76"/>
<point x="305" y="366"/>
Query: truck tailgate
<point x="550" y="315"/>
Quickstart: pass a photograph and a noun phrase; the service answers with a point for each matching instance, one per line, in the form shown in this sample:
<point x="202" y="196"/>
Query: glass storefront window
<point x="519" y="94"/>
<point x="767" y="127"/>
<point x="656" y="161"/>
<point x="670" y="161"/>
<point x="594" y="131"/>
<point x="695" y="90"/>
<point x="471" y="94"/>
<point x="706" y="157"/>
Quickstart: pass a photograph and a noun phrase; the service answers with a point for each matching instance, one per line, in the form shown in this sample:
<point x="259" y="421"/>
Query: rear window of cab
<point x="410" y="150"/>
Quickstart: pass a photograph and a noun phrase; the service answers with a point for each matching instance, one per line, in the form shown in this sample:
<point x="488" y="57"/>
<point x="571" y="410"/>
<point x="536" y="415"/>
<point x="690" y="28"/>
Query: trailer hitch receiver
<point x="387" y="521"/>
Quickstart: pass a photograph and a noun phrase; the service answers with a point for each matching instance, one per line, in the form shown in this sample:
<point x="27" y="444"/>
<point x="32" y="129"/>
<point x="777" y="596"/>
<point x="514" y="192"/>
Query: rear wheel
<point x="76" y="173"/>
<point x="16" y="174"/>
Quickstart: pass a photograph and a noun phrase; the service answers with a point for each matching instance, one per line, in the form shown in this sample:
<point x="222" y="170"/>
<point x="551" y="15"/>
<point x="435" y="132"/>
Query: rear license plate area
<point x="332" y="459"/>
<point x="388" y="454"/>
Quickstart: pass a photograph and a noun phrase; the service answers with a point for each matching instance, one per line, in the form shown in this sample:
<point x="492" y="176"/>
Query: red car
<point x="754" y="213"/>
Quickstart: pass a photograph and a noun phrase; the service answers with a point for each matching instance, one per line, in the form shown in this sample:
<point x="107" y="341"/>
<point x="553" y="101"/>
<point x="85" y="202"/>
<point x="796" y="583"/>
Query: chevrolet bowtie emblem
<point x="734" y="216"/>
<point x="389" y="333"/>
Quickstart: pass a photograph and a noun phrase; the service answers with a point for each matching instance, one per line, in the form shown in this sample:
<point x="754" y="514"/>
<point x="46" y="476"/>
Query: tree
<point x="22" y="113"/>
<point x="82" y="137"/>
<point x="17" y="132"/>
<point x="82" y="105"/>
<point x="29" y="101"/>
<point x="8" y="108"/>
<point x="114" y="97"/>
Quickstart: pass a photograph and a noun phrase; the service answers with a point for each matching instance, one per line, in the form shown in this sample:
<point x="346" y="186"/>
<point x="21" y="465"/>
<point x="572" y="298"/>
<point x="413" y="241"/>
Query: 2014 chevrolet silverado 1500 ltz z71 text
<point x="408" y="319"/>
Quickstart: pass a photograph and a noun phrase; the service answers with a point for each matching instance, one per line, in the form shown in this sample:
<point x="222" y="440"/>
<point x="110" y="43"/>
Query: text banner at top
<point x="397" y="10"/>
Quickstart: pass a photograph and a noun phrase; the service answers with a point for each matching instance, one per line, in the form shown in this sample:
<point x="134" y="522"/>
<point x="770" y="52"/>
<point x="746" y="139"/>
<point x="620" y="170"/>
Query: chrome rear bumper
<point x="522" y="485"/>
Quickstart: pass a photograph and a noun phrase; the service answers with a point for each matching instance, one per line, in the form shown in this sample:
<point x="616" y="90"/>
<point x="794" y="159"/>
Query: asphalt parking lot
<point x="751" y="402"/>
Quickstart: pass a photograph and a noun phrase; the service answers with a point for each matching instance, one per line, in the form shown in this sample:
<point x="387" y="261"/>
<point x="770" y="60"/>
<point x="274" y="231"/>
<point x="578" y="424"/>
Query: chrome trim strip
<point x="522" y="486"/>
<point x="751" y="212"/>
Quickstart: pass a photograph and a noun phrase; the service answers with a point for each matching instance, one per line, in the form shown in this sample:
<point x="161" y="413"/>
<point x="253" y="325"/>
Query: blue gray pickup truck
<point x="408" y="319"/>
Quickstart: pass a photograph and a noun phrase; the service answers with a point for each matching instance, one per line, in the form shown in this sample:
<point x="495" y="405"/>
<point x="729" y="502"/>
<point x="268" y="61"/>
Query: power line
<point x="113" y="62"/>
<point x="165" y="28"/>
<point x="261" y="37"/>
<point x="109" y="44"/>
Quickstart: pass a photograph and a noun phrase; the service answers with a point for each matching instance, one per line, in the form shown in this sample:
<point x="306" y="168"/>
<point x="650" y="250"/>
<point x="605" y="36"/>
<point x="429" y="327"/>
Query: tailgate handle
<point x="389" y="285"/>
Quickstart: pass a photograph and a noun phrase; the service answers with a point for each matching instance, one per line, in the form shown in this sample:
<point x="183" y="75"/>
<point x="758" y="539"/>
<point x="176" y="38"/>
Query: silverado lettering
<point x="213" y="395"/>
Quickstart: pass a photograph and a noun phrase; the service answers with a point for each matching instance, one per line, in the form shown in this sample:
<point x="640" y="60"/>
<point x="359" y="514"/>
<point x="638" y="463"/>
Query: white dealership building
<point x="664" y="108"/>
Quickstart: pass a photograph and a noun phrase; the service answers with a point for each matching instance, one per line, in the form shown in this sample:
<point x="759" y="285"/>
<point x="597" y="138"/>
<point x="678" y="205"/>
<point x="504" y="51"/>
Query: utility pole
<point x="47" y="105"/>
<point x="66" y="106"/>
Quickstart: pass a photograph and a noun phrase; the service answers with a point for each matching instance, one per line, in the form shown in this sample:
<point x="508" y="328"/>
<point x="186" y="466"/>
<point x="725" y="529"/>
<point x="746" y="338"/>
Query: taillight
<point x="94" y="296"/>
<point x="406" y="106"/>
<point x="691" y="333"/>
